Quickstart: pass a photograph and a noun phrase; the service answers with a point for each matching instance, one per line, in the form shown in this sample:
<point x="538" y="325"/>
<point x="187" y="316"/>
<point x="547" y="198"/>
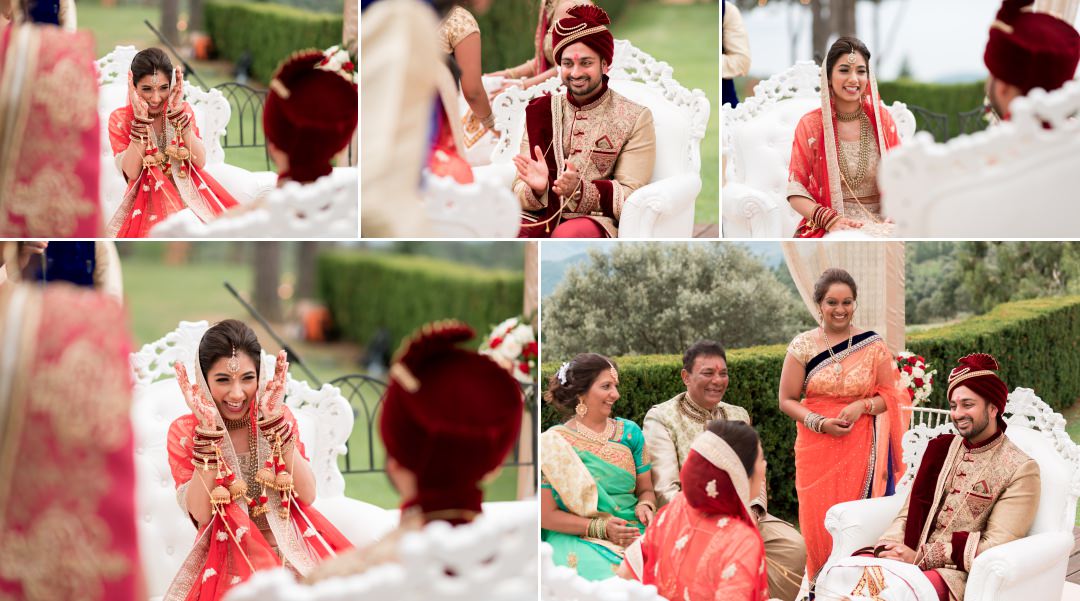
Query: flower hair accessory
<point x="561" y="374"/>
<point x="337" y="60"/>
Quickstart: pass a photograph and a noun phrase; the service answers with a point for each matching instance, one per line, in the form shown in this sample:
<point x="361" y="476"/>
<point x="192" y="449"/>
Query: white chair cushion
<point x="672" y="127"/>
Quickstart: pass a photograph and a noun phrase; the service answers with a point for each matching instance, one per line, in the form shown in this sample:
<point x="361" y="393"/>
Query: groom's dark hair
<point x="702" y="348"/>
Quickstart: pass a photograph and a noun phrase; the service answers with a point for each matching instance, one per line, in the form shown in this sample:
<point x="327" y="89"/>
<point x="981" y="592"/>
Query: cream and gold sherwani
<point x="612" y="144"/>
<point x="670" y="428"/>
<point x="983" y="497"/>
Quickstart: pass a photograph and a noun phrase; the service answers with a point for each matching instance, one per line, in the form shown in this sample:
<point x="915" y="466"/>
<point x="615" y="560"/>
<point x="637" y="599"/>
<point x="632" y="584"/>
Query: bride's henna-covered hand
<point x="176" y="92"/>
<point x="202" y="407"/>
<point x="271" y="401"/>
<point x="140" y="107"/>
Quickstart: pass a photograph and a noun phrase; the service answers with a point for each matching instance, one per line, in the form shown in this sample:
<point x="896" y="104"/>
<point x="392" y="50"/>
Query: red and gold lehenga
<point x="815" y="169"/>
<point x="236" y="542"/>
<point x="162" y="189"/>
<point x="49" y="136"/>
<point x="67" y="472"/>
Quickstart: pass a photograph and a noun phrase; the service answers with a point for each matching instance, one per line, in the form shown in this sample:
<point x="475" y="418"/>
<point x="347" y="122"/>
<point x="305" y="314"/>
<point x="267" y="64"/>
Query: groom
<point x="1026" y="51"/>
<point x="670" y="428"/>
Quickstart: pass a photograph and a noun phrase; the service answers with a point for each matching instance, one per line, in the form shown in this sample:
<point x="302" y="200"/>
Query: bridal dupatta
<point x="814" y="151"/>
<point x="591" y="479"/>
<point x="704" y="545"/>
<point x="67" y="471"/>
<point x="862" y="464"/>
<point x="227" y="551"/>
<point x="49" y="137"/>
<point x="157" y="191"/>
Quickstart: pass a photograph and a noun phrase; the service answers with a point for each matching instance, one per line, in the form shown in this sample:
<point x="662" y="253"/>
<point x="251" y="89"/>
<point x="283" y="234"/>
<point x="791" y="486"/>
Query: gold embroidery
<point x="871" y="584"/>
<point x="79" y="557"/>
<point x="571" y="560"/>
<point x="457" y="26"/>
<point x="612" y="452"/>
<point x="49" y="202"/>
<point x="67" y="95"/>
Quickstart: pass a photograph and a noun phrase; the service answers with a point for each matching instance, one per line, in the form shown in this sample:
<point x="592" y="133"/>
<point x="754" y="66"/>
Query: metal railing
<point x="247" y="106"/>
<point x="364" y="394"/>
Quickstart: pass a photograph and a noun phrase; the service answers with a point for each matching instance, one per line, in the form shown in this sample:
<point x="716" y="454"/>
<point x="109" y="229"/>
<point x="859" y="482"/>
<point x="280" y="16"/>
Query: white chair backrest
<point x="486" y="208"/>
<point x="560" y="583"/>
<point x="325" y="208"/>
<point x="680" y="116"/>
<point x="493" y="558"/>
<point x="165" y="534"/>
<point x="757" y="134"/>
<point x="969" y="186"/>
<point x="1037" y="431"/>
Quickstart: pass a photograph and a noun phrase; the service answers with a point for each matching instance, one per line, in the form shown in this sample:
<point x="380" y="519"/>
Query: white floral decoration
<point x="240" y="532"/>
<point x="710" y="489"/>
<point x="221" y="536"/>
<point x="722" y="522"/>
<point x="210" y="572"/>
<point x="915" y="376"/>
<point x="728" y="571"/>
<point x="512" y="344"/>
<point x="681" y="542"/>
<point x="337" y="60"/>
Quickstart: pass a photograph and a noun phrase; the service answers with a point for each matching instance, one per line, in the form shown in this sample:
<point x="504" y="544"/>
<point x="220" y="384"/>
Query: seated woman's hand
<point x="271" y="402"/>
<point x="618" y="532"/>
<point x="200" y="406"/>
<point x="644" y="514"/>
<point x="846" y="224"/>
<point x="836" y="427"/>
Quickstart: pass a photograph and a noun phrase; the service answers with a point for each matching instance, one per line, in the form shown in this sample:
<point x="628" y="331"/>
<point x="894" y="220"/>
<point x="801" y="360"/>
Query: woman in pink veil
<point x="832" y="176"/>
<point x="157" y="147"/>
<point x="67" y="471"/>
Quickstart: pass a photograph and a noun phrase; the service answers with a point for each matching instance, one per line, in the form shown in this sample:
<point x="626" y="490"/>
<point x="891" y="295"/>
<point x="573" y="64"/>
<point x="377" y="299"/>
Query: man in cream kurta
<point x="670" y="428"/>
<point x="972" y="492"/>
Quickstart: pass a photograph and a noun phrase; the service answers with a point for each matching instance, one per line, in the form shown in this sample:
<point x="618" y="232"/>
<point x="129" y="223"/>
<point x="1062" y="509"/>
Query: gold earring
<point x="581" y="409"/>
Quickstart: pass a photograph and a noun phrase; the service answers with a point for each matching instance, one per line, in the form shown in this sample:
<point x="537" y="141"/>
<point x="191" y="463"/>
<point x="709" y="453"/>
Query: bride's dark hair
<point x="149" y="61"/>
<point x="842" y="46"/>
<point x="220" y="340"/>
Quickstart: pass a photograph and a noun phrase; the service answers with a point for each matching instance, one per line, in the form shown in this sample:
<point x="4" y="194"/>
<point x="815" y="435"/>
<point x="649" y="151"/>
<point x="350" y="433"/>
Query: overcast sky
<point x="943" y="40"/>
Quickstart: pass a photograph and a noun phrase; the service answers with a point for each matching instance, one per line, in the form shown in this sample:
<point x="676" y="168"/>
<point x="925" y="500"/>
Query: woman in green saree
<point x="596" y="491"/>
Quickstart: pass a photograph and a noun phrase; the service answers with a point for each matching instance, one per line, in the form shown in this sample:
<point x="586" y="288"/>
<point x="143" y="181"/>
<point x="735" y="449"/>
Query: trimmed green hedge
<point x="508" y="29"/>
<point x="1035" y="340"/>
<point x="365" y="292"/>
<point x="948" y="99"/>
<point x="270" y="32"/>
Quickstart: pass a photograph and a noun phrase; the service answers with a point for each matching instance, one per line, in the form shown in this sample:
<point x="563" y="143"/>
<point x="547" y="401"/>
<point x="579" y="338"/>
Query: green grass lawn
<point x="686" y="37"/>
<point x="1072" y="427"/>
<point x="158" y="297"/>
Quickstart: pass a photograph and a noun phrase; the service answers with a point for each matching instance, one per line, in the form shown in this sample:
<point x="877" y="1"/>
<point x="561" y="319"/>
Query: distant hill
<point x="553" y="272"/>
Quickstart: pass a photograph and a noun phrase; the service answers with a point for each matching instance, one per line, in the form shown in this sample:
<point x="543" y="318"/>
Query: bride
<point x="157" y="146"/>
<point x="832" y="176"/>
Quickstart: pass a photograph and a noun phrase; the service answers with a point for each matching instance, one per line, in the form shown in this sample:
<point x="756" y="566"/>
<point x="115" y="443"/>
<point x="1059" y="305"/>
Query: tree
<point x="267" y="258"/>
<point x="660" y="298"/>
<point x="170" y="14"/>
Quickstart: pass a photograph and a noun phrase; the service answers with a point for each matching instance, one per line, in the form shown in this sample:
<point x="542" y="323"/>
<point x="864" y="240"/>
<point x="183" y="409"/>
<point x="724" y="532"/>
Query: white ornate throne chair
<point x="665" y="206"/>
<point x="165" y="533"/>
<point x="493" y="558"/>
<point x="1029" y="568"/>
<point x="212" y="113"/>
<point x="1017" y="179"/>
<point x="757" y="137"/>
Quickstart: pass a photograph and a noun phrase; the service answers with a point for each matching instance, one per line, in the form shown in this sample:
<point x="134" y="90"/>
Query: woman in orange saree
<point x="240" y="471"/>
<point x="841" y="386"/>
<point x="67" y="472"/>
<point x="703" y="544"/>
<point x="832" y="175"/>
<point x="157" y="146"/>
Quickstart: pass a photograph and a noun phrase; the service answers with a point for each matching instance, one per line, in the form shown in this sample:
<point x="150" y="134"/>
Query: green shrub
<point x="947" y="99"/>
<point x="508" y="31"/>
<point x="1035" y="341"/>
<point x="270" y="32"/>
<point x="366" y="292"/>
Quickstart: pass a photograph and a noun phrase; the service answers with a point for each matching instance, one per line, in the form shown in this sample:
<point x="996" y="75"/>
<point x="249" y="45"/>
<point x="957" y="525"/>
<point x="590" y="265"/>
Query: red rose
<point x="918" y="382"/>
<point x="911" y="360"/>
<point x="348" y="66"/>
<point x="529" y="351"/>
<point x="524" y="367"/>
<point x="324" y="61"/>
<point x="911" y="393"/>
<point x="496" y="341"/>
<point x="907" y="368"/>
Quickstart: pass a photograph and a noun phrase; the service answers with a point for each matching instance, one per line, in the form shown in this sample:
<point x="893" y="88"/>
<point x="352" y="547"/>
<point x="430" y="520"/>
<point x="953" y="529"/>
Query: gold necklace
<point x="853" y="116"/>
<point x="590" y="434"/>
<point x="866" y="141"/>
<point x="832" y="356"/>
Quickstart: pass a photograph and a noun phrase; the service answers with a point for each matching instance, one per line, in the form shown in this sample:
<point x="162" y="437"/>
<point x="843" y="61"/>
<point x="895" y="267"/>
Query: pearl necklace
<point x="590" y="434"/>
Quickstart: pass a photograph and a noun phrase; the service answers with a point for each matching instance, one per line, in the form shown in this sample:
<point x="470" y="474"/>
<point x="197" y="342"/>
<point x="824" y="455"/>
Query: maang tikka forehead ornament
<point x="851" y="58"/>
<point x="233" y="364"/>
